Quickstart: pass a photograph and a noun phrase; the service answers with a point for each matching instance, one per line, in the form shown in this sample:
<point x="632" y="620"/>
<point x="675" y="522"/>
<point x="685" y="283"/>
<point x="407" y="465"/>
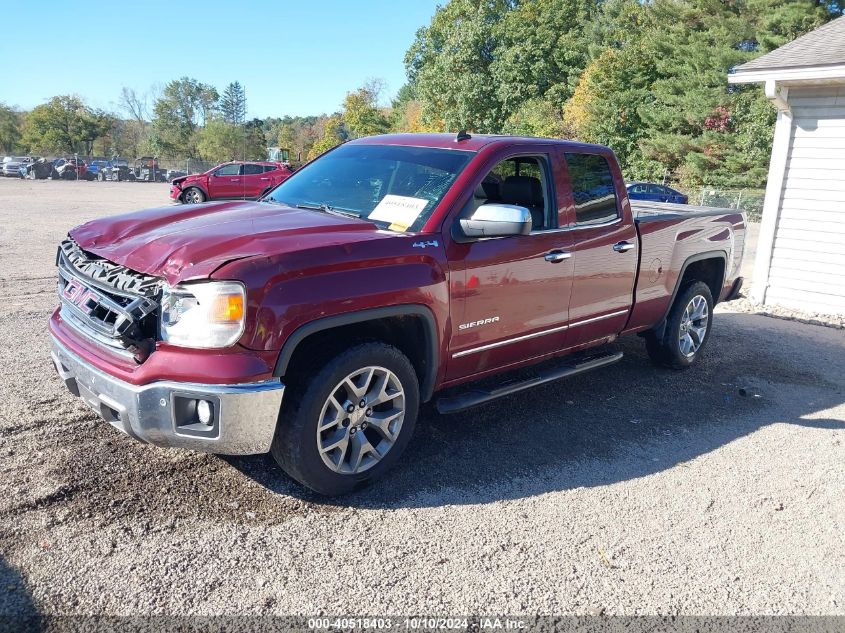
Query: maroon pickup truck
<point x="390" y="271"/>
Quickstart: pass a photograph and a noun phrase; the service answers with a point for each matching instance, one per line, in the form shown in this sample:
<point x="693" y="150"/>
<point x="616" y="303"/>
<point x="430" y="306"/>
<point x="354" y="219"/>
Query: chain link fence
<point x="748" y="200"/>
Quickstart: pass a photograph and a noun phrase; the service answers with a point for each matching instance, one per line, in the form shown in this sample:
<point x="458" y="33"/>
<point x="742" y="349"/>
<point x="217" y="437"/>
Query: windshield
<point x="395" y="186"/>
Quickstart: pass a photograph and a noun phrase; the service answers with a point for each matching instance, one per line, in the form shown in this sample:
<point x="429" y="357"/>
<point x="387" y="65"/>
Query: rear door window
<point x="252" y="170"/>
<point x="593" y="189"/>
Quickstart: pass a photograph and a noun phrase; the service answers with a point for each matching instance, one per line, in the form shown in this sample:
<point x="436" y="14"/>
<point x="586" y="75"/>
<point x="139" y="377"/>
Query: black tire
<point x="193" y="195"/>
<point x="667" y="351"/>
<point x="295" y="444"/>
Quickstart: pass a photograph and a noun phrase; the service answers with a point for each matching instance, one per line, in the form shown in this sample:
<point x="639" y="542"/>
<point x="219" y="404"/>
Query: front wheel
<point x="193" y="196"/>
<point x="349" y="422"/>
<point x="687" y="328"/>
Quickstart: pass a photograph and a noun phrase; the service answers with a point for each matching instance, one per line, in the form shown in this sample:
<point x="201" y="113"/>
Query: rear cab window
<point x="593" y="189"/>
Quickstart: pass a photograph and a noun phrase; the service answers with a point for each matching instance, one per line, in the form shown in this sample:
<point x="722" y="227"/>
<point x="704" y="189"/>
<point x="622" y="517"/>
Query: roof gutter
<point x="778" y="95"/>
<point x="821" y="74"/>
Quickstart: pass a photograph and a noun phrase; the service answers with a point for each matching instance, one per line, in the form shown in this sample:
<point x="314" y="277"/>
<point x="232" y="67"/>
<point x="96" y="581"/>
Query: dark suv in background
<point x="655" y="193"/>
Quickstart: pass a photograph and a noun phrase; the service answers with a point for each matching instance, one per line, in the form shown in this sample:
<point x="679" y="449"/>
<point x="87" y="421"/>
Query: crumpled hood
<point x="192" y="241"/>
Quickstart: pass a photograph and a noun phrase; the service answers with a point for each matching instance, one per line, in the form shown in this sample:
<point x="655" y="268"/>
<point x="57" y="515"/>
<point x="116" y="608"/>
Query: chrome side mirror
<point x="496" y="220"/>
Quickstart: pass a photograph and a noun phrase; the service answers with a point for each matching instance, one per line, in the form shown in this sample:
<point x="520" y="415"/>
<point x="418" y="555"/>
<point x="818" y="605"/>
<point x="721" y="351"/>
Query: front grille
<point x="111" y="304"/>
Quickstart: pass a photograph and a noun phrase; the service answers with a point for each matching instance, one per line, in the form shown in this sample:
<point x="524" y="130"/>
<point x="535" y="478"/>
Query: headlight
<point x="207" y="314"/>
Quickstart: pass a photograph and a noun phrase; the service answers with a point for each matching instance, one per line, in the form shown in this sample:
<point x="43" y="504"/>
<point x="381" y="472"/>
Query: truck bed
<point x="671" y="234"/>
<point x="644" y="210"/>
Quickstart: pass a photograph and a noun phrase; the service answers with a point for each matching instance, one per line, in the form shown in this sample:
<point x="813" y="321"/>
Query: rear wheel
<point x="687" y="328"/>
<point x="101" y="176"/>
<point x="193" y="196"/>
<point x="349" y="422"/>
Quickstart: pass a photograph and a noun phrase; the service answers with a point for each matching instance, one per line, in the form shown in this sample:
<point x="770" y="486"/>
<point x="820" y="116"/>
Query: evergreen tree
<point x="233" y="103"/>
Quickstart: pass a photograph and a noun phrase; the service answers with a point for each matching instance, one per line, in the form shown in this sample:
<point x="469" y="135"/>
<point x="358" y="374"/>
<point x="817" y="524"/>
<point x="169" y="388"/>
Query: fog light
<point x="204" y="412"/>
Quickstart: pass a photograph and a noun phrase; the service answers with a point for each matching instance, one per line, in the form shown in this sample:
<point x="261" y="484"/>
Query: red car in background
<point x="236" y="180"/>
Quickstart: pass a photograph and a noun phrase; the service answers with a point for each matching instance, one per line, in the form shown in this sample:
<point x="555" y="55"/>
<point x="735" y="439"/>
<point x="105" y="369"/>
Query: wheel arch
<point x="689" y="272"/>
<point x="424" y="354"/>
<point x="195" y="185"/>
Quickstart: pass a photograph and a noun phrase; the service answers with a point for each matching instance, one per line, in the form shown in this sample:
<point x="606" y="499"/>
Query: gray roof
<point x="823" y="47"/>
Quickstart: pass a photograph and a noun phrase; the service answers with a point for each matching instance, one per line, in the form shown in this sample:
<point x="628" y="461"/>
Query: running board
<point x="474" y="396"/>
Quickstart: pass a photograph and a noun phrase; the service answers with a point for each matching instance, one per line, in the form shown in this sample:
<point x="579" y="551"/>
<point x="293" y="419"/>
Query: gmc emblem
<point x="80" y="296"/>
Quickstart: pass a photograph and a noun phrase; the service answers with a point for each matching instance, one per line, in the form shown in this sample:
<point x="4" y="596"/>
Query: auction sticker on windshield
<point x="399" y="211"/>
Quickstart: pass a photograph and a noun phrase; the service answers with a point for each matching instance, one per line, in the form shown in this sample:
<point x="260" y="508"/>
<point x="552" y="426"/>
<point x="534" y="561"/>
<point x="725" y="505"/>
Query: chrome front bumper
<point x="164" y="413"/>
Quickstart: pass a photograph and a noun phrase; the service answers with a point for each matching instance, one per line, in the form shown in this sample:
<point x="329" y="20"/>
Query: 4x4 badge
<point x="425" y="244"/>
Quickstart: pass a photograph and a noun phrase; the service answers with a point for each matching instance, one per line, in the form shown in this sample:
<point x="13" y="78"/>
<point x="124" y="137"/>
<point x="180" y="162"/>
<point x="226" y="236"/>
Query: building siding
<point x="807" y="267"/>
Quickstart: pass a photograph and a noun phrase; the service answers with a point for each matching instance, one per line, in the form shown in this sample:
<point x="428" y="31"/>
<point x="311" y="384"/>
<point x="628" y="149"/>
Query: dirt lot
<point x="633" y="490"/>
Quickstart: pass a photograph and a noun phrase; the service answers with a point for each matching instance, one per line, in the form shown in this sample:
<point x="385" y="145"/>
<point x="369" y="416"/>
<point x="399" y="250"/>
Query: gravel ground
<point x="631" y="490"/>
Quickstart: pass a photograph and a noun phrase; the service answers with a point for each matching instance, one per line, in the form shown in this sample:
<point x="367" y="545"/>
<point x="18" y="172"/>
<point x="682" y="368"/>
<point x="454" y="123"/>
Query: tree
<point x="361" y="113"/>
<point x="541" y="50"/>
<point x="220" y="141"/>
<point x="233" y="103"/>
<point x="10" y="130"/>
<point x="537" y="117"/>
<point x="65" y="124"/>
<point x="406" y="111"/>
<point x="777" y="22"/>
<point x="134" y="104"/>
<point x="450" y="64"/>
<point x="184" y="106"/>
<point x="333" y="134"/>
<point x="648" y="78"/>
<point x="298" y="134"/>
<point x="607" y="102"/>
<point x="656" y="88"/>
<point x="131" y="136"/>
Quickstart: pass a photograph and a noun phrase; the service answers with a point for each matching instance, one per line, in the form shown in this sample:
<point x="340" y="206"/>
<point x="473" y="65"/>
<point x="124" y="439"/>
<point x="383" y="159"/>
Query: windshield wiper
<point x="325" y="208"/>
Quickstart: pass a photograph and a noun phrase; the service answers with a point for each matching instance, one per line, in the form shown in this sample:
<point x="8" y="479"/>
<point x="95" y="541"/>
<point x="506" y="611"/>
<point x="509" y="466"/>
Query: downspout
<point x="779" y="96"/>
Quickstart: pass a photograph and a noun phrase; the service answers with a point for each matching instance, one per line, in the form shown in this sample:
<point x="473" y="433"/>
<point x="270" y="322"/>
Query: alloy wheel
<point x="193" y="197"/>
<point x="693" y="326"/>
<point x="361" y="420"/>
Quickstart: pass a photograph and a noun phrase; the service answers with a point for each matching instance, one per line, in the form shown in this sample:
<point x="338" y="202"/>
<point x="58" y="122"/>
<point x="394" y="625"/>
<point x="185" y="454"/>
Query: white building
<point x="801" y="253"/>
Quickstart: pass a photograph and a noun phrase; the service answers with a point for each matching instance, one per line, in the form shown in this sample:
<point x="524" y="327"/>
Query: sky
<point x="292" y="57"/>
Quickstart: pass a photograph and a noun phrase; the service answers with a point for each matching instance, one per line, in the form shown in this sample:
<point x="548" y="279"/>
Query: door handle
<point x="264" y="179"/>
<point x="236" y="179"/>
<point x="555" y="257"/>
<point x="623" y="247"/>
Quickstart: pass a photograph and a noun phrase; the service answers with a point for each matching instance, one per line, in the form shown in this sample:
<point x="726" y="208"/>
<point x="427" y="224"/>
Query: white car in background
<point x="12" y="165"/>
